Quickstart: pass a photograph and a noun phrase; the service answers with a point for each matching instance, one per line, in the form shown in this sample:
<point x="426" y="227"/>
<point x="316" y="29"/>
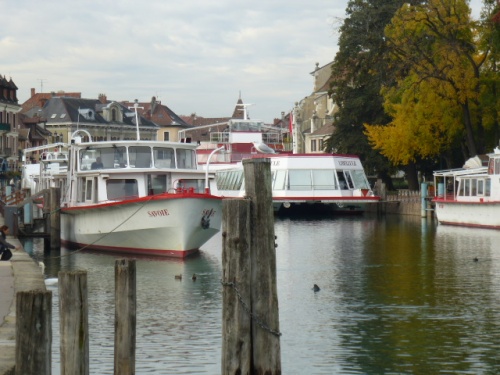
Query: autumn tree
<point x="436" y="100"/>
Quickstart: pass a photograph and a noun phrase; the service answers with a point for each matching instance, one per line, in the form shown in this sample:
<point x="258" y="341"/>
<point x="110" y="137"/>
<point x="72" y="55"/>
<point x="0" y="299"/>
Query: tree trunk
<point x="412" y="177"/>
<point x="469" y="132"/>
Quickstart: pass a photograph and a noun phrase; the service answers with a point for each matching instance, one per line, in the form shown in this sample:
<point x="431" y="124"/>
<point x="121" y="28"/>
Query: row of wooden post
<point x="250" y="318"/>
<point x="34" y="326"/>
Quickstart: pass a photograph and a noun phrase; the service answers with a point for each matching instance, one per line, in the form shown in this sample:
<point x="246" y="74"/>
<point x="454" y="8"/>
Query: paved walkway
<point x="20" y="273"/>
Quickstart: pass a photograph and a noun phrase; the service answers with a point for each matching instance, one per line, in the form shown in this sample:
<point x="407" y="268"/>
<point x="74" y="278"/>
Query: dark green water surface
<point x="399" y="295"/>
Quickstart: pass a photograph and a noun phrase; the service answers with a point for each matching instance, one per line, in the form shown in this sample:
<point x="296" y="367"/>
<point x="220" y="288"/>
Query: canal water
<point x="399" y="295"/>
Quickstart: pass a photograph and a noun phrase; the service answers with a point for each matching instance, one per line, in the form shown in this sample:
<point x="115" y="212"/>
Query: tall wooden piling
<point x="73" y="322"/>
<point x="236" y="274"/>
<point x="249" y="268"/>
<point x="55" y="218"/>
<point x="125" y="317"/>
<point x="33" y="332"/>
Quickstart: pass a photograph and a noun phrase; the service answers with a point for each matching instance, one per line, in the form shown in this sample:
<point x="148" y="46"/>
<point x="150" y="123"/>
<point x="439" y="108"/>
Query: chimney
<point x="153" y="105"/>
<point x="103" y="98"/>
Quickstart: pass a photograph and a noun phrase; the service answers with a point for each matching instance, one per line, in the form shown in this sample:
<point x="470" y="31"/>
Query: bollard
<point x="256" y="297"/>
<point x="33" y="332"/>
<point x="74" y="322"/>
<point x="55" y="218"/>
<point x="125" y="317"/>
<point x="423" y="195"/>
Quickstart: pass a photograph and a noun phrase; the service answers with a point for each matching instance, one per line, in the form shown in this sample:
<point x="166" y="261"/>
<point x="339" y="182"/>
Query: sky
<point x="195" y="56"/>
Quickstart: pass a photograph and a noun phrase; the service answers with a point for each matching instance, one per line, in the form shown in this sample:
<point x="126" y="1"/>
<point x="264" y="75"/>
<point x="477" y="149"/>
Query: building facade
<point x="9" y="126"/>
<point x="314" y="112"/>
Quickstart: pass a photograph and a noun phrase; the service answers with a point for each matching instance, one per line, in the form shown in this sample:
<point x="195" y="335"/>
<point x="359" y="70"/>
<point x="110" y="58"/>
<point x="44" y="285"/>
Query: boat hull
<point x="469" y="214"/>
<point x="332" y="206"/>
<point x="170" y="225"/>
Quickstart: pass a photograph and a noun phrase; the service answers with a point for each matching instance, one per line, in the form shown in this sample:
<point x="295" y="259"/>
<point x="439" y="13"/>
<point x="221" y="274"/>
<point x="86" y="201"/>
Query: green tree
<point x="359" y="70"/>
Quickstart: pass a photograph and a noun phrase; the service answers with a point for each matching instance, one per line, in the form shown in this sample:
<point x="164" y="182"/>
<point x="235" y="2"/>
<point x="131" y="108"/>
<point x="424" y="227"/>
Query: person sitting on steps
<point x="5" y="246"/>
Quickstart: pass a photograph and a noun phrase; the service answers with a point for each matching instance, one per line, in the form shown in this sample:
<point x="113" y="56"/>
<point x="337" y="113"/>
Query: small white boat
<point x="470" y="196"/>
<point x="139" y="197"/>
<point x="50" y="169"/>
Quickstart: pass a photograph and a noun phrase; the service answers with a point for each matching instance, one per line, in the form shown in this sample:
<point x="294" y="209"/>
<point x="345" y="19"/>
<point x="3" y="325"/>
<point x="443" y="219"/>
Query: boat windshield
<point x="103" y="158"/>
<point x="138" y="157"/>
<point x="245" y="126"/>
<point x="359" y="179"/>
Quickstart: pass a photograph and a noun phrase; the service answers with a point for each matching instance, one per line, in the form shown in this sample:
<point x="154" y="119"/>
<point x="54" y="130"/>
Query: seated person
<point x="97" y="164"/>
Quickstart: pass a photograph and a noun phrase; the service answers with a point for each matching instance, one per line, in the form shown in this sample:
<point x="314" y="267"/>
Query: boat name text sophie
<point x="157" y="213"/>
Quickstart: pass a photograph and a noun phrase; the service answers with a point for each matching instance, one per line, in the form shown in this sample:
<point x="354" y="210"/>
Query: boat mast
<point x="136" y="105"/>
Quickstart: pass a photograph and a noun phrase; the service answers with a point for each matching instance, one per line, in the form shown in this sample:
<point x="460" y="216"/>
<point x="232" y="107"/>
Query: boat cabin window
<point x="324" y="179"/>
<point x="102" y="158"/>
<point x="164" y="157"/>
<point x="196" y="184"/>
<point x="475" y="187"/>
<point x="229" y="180"/>
<point x="359" y="180"/>
<point x="279" y="180"/>
<point x="158" y="184"/>
<point x="139" y="156"/>
<point x="494" y="166"/>
<point x="299" y="179"/>
<point x="88" y="189"/>
<point x="246" y="126"/>
<point x="480" y="187"/>
<point x="186" y="159"/>
<point x="343" y="182"/>
<point x="122" y="188"/>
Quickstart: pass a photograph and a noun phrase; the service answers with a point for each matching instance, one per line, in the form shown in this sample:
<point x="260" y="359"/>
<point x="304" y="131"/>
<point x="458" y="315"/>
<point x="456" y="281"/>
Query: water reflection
<point x="178" y="321"/>
<point x="398" y="295"/>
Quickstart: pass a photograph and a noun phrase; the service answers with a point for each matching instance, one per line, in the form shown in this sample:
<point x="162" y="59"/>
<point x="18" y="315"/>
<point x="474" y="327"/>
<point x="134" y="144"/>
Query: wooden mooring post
<point x="250" y="316"/>
<point x="33" y="332"/>
<point x="74" y="322"/>
<point x="125" y="317"/>
<point x="55" y="218"/>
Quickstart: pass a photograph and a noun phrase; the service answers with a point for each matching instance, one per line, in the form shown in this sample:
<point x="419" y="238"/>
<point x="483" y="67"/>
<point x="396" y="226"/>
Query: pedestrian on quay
<point x="5" y="247"/>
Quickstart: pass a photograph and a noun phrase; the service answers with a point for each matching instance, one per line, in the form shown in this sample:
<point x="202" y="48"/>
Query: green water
<point x="399" y="295"/>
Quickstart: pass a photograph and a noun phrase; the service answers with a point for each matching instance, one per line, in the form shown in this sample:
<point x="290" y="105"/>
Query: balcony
<point x="5" y="152"/>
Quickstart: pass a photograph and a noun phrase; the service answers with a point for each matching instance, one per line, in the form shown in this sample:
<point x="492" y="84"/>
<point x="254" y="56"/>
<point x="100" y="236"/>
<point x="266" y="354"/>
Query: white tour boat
<point x="470" y="196"/>
<point x="311" y="182"/>
<point x="140" y="197"/>
<point x="306" y="182"/>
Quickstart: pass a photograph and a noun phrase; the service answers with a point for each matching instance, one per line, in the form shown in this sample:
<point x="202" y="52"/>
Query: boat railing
<point x="271" y="138"/>
<point x="223" y="137"/>
<point x="219" y="137"/>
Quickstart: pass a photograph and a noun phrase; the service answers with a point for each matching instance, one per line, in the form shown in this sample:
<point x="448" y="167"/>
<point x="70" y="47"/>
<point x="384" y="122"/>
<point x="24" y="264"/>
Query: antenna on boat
<point x="136" y="105"/>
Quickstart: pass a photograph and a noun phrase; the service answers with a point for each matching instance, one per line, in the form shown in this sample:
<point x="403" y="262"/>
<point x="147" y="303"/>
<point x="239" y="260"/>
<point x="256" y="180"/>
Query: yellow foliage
<point x="435" y="43"/>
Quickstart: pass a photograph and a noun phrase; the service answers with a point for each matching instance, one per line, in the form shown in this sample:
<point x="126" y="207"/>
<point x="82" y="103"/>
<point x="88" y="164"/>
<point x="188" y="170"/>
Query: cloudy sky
<point x="196" y="56"/>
